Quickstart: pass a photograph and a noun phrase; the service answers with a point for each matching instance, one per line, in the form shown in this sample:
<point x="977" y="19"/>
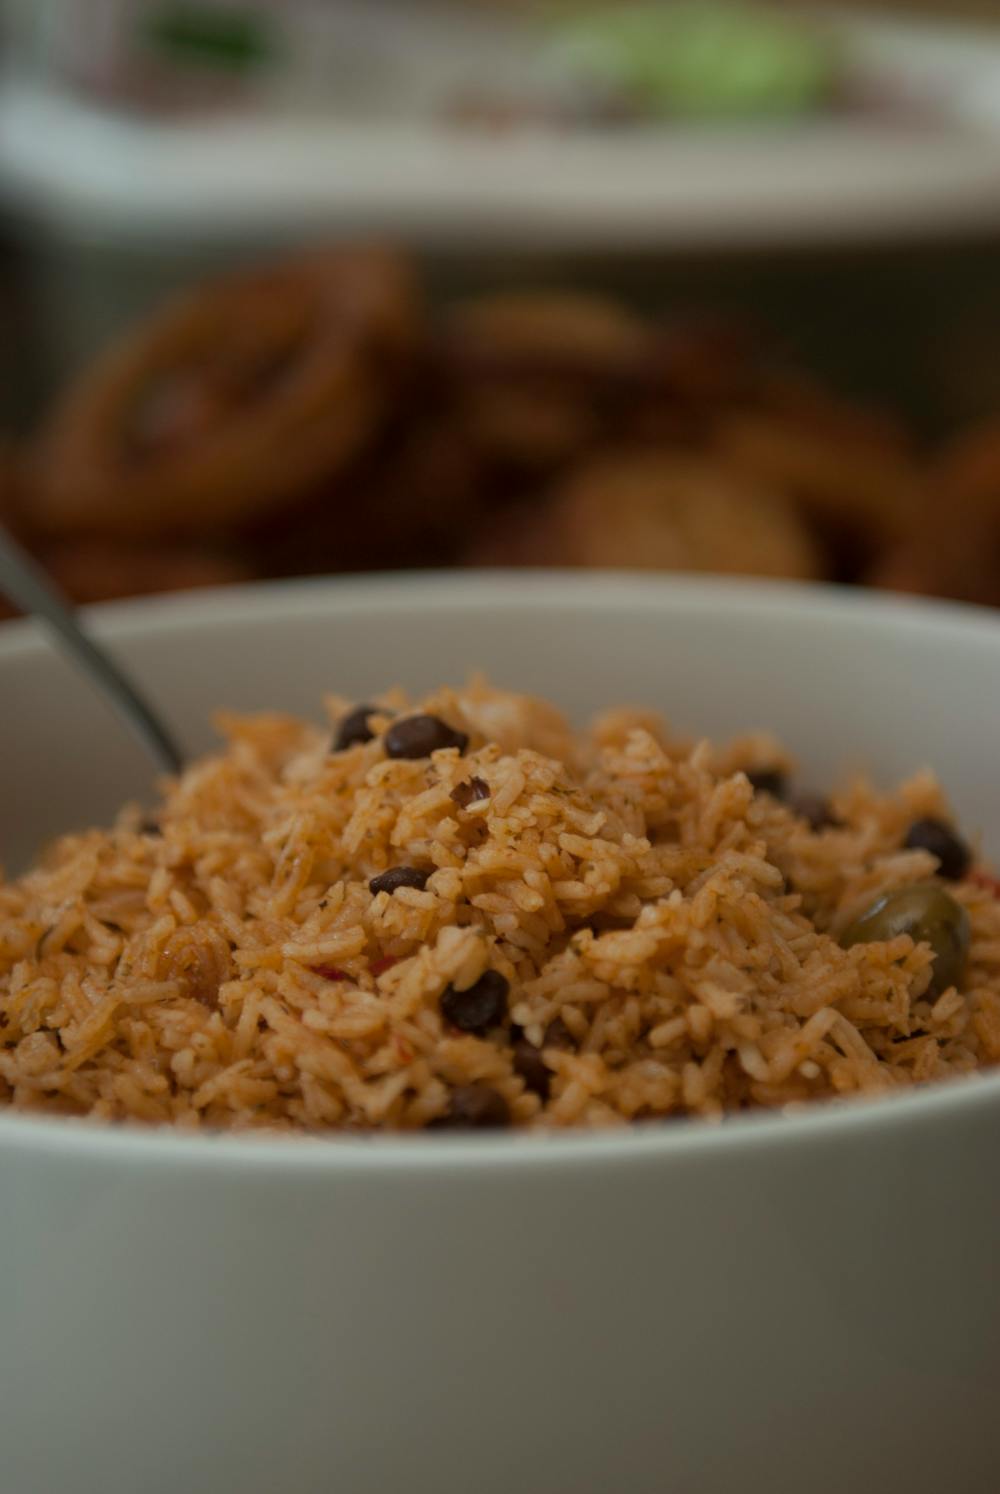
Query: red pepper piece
<point x="987" y="880"/>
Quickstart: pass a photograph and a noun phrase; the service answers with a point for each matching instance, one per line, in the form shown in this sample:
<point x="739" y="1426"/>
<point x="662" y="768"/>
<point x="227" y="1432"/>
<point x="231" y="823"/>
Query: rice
<point x="602" y="928"/>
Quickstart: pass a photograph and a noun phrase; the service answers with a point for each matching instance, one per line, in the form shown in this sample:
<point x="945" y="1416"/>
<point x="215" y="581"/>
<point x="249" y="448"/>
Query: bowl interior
<point x="845" y="681"/>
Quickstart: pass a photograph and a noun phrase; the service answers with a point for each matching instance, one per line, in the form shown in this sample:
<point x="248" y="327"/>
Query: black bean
<point x="773" y="781"/>
<point x="354" y="728"/>
<point x="471" y="792"/>
<point x="815" y="810"/>
<point x="480" y="1006"/>
<point x="474" y="1107"/>
<point x="419" y="736"/>
<point x="940" y="839"/>
<point x="529" y="1063"/>
<point x="558" y="1035"/>
<point x="398" y="876"/>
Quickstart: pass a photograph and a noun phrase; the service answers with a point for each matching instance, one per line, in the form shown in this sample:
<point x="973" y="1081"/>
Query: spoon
<point x="30" y="589"/>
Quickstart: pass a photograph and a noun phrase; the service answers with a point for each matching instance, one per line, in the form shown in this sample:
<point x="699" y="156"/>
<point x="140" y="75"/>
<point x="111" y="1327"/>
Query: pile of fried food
<point x="314" y="416"/>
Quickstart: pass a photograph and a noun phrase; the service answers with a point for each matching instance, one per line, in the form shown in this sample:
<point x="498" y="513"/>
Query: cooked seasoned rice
<point x="599" y="929"/>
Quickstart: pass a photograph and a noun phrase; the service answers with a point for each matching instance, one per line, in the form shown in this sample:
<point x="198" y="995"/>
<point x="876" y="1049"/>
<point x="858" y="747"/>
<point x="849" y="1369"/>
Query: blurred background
<point x="314" y="286"/>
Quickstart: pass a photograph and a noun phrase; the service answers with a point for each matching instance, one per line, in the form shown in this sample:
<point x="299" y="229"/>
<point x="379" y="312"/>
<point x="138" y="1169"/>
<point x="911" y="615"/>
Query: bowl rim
<point x="548" y="588"/>
<point x="822" y="1122"/>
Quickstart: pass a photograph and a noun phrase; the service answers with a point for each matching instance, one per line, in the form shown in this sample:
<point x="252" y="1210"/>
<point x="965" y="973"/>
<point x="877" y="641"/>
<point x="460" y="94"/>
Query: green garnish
<point x="207" y="35"/>
<point x="704" y="60"/>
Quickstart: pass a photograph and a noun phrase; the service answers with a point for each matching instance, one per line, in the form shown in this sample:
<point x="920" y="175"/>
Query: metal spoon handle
<point x="30" y="589"/>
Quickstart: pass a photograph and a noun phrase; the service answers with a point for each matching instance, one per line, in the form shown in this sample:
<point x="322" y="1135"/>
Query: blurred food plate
<point x="454" y="128"/>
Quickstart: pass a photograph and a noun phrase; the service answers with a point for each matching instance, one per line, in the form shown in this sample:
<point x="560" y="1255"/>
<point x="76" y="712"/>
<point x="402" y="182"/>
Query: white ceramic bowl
<point x="777" y="1304"/>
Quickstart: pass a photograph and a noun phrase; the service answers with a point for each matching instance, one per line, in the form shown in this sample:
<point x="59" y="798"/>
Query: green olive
<point x="930" y="916"/>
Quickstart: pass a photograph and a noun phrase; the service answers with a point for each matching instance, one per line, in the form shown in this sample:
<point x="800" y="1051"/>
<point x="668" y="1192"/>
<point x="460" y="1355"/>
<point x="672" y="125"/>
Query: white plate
<point x="826" y="179"/>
